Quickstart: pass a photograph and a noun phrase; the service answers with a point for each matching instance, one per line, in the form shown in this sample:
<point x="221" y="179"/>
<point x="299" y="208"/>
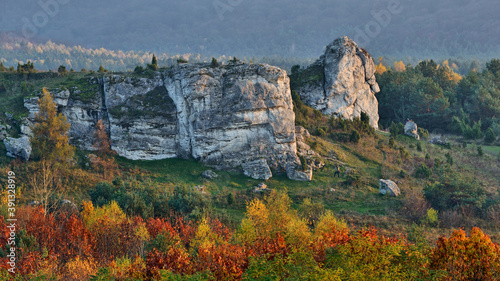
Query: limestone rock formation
<point x="389" y="187"/>
<point x="231" y="116"/>
<point x="18" y="147"/>
<point x="411" y="130"/>
<point x="346" y="84"/>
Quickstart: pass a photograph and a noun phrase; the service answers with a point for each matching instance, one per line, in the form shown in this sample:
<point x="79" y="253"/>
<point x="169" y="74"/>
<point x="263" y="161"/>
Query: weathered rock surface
<point x="226" y="117"/>
<point x="439" y="140"/>
<point x="3" y="132"/>
<point x="411" y="130"/>
<point x="348" y="85"/>
<point x="209" y="174"/>
<point x="294" y="172"/>
<point x="389" y="187"/>
<point x="257" y="169"/>
<point x="18" y="147"/>
<point x="261" y="187"/>
<point x="303" y="149"/>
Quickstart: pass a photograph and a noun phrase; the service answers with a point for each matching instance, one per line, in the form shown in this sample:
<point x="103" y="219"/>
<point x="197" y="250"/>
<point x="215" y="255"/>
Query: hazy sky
<point x="258" y="27"/>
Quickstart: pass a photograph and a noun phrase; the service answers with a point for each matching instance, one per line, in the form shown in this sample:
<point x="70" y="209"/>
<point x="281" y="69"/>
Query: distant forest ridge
<point x="50" y="56"/>
<point x="402" y="29"/>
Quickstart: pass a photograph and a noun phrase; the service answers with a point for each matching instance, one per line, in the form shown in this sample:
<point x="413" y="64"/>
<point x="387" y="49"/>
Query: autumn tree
<point x="467" y="258"/>
<point x="50" y="148"/>
<point x="103" y="160"/>
<point x="399" y="66"/>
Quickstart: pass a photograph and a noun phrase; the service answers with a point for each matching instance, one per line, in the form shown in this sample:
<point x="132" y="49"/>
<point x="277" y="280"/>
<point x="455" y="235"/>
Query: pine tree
<point x="154" y="62"/>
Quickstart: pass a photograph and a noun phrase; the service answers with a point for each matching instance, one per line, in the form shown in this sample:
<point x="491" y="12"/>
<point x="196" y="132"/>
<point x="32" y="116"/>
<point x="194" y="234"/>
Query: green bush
<point x="396" y="129"/>
<point x="423" y="133"/>
<point x="404" y="153"/>
<point x="480" y="152"/>
<point x="490" y="136"/>
<point x="355" y="136"/>
<point x="391" y="142"/>
<point x="432" y="217"/>
<point x="303" y="162"/>
<point x="423" y="172"/>
<point x="454" y="191"/>
<point x="449" y="159"/>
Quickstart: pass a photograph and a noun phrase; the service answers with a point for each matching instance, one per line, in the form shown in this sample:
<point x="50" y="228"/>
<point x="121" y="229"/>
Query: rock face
<point x="20" y="147"/>
<point x="233" y="116"/>
<point x="389" y="187"/>
<point x="411" y="130"/>
<point x="348" y="85"/>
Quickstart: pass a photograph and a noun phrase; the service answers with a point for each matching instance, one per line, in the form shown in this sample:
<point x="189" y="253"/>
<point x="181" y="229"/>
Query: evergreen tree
<point x="214" y="63"/>
<point x="154" y="63"/>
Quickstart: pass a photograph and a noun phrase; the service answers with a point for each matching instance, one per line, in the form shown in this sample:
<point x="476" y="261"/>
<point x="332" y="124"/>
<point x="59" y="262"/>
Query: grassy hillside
<point x="163" y="219"/>
<point x="354" y="195"/>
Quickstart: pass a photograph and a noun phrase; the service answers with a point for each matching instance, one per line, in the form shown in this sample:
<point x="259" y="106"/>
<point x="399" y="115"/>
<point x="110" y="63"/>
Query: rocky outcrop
<point x="18" y="147"/>
<point x="389" y="187"/>
<point x="233" y="116"/>
<point x="345" y="84"/>
<point x="411" y="129"/>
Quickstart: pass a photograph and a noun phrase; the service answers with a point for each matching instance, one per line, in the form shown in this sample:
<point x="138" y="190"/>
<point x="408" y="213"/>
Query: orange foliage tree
<point x="467" y="258"/>
<point x="103" y="160"/>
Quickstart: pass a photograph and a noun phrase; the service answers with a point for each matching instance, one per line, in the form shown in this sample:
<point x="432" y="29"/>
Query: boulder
<point x="262" y="187"/>
<point x="294" y="172"/>
<point x="411" y="130"/>
<point x="389" y="187"/>
<point x="257" y="169"/>
<point x="348" y="86"/>
<point x="18" y="147"/>
<point x="209" y="174"/>
<point x="439" y="140"/>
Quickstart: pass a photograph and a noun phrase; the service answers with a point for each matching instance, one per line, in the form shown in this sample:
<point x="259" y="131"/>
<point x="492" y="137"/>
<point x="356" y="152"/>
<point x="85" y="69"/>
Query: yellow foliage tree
<point x="51" y="148"/>
<point x="380" y="67"/>
<point x="399" y="66"/>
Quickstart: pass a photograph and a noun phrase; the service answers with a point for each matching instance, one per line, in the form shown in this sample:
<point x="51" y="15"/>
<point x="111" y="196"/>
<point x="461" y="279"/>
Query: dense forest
<point x="437" y="98"/>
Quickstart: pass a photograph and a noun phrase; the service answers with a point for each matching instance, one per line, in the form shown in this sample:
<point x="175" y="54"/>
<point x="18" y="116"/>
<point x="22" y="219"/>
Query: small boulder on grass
<point x="209" y="174"/>
<point x="389" y="187"/>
